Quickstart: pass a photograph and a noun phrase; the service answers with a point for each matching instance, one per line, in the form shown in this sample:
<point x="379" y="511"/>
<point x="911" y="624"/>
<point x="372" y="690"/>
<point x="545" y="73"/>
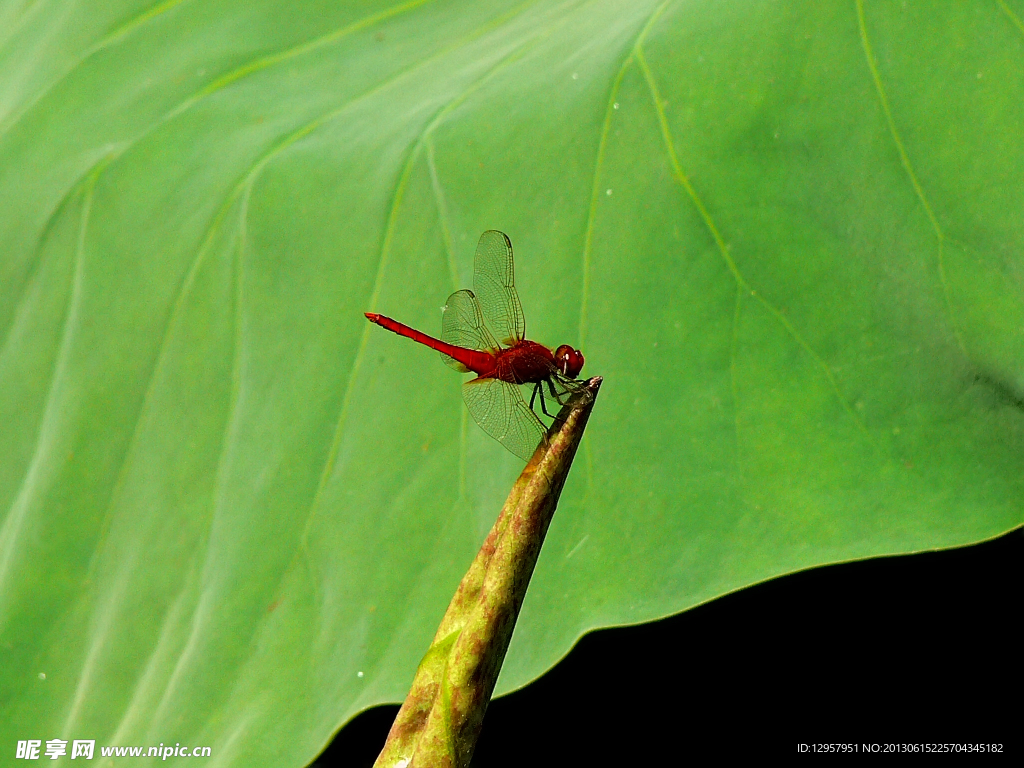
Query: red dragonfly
<point x="468" y="345"/>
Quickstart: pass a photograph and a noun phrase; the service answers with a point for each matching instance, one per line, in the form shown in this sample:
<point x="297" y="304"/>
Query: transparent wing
<point x="563" y="385"/>
<point x="463" y="325"/>
<point x="494" y="283"/>
<point x="498" y="407"/>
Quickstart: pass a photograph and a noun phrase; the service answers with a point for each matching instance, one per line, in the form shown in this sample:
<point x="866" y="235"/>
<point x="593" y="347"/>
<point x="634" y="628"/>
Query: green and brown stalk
<point x="438" y="725"/>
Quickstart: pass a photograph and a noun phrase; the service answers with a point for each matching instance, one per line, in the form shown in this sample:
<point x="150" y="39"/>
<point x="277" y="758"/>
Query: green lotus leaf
<point x="232" y="512"/>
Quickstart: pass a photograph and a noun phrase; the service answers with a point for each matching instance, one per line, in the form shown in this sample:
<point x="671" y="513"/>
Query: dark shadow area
<point x="358" y="743"/>
<point x="920" y="648"/>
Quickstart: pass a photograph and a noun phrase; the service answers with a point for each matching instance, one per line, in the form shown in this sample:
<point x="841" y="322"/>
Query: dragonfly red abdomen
<point x="480" y="363"/>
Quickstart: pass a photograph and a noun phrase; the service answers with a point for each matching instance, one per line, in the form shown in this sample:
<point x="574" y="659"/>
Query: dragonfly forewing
<point x="494" y="283"/>
<point x="498" y="407"/>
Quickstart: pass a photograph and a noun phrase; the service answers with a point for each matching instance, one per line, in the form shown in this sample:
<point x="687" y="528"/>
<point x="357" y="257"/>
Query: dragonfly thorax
<point x="525" y="362"/>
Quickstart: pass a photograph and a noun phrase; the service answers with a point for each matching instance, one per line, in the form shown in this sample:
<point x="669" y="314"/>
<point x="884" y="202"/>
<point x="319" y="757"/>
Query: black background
<point x="918" y="648"/>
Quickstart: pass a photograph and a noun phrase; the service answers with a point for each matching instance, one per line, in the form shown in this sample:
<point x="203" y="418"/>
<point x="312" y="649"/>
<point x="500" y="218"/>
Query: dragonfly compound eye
<point x="569" y="361"/>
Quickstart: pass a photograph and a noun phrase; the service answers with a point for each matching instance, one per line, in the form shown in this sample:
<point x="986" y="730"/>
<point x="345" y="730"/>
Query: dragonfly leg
<point x="543" y="403"/>
<point x="558" y="397"/>
<point x="538" y="389"/>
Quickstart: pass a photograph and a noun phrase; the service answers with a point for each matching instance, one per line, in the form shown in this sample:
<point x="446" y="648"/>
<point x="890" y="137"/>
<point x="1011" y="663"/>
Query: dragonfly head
<point x="569" y="361"/>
